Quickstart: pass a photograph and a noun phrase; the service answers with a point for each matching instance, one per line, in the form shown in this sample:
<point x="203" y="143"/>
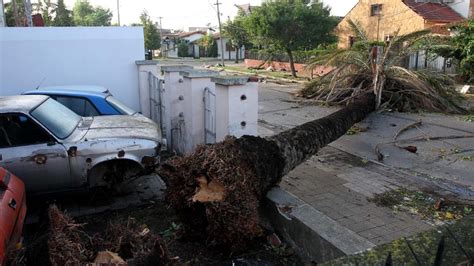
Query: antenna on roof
<point x="39" y="85"/>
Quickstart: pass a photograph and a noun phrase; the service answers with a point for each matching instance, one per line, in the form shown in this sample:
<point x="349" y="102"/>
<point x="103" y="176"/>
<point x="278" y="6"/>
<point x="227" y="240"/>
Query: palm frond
<point x="410" y="37"/>
<point x="396" y="87"/>
<point x="361" y="35"/>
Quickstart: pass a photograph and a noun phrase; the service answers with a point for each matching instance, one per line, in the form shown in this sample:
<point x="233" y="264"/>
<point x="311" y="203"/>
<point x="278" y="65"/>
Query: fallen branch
<point x="409" y="126"/>
<point x="425" y="139"/>
<point x="380" y="156"/>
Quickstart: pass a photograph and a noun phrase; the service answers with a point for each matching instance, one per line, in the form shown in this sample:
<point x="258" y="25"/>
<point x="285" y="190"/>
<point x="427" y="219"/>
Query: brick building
<point x="381" y="19"/>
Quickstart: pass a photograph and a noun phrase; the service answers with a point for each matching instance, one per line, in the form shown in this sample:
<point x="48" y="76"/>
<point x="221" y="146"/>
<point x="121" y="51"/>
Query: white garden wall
<point x="102" y="56"/>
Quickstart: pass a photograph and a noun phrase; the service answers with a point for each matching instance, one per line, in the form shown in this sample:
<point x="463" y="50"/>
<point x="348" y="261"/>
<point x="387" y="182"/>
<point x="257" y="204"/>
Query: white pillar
<point x="236" y="106"/>
<point x="195" y="83"/>
<point x="145" y="67"/>
<point x="173" y="101"/>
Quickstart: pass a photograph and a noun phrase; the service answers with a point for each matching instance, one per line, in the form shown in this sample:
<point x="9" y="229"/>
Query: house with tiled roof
<point x="246" y="8"/>
<point x="230" y="52"/>
<point x="381" y="19"/>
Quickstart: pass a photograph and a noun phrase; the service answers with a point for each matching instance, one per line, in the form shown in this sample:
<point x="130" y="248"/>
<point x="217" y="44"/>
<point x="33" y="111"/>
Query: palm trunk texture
<point x="217" y="189"/>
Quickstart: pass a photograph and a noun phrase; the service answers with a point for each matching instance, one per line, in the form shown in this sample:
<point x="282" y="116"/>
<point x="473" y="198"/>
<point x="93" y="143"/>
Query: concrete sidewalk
<point x="334" y="187"/>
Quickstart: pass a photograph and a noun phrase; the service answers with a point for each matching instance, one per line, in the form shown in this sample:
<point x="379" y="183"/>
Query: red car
<point x="12" y="212"/>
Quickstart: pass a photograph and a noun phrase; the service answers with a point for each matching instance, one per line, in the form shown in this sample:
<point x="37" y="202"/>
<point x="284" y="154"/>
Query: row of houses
<point x="192" y="38"/>
<point x="380" y="19"/>
<point x="170" y="40"/>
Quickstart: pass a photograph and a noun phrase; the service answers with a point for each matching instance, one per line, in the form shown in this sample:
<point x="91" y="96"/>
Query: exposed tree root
<point x="217" y="189"/>
<point x="67" y="243"/>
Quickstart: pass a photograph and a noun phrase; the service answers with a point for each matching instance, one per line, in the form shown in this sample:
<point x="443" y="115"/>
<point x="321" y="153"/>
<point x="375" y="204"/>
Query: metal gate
<point x="209" y="99"/>
<point x="157" y="109"/>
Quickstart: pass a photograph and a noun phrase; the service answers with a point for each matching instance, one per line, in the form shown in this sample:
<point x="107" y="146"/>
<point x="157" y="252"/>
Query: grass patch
<point x="424" y="245"/>
<point x="424" y="204"/>
<point x="273" y="74"/>
<point x="355" y="129"/>
<point x="469" y="118"/>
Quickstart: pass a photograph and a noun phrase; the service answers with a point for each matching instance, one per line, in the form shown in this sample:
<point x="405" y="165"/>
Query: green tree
<point x="459" y="47"/>
<point x="235" y="31"/>
<point x="87" y="15"/>
<point x="464" y="49"/>
<point x="290" y="25"/>
<point x="213" y="50"/>
<point x="207" y="42"/>
<point x="183" y="49"/>
<point x="15" y="14"/>
<point x="152" y="35"/>
<point x="63" y="16"/>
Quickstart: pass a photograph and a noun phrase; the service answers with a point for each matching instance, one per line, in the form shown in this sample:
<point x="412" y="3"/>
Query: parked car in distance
<point x="86" y="100"/>
<point x="12" y="212"/>
<point x="53" y="149"/>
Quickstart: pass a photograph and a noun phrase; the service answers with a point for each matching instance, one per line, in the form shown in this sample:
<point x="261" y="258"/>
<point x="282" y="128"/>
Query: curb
<point x="315" y="236"/>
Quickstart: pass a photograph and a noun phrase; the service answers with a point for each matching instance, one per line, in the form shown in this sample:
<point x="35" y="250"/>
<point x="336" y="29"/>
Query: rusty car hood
<point x="122" y="126"/>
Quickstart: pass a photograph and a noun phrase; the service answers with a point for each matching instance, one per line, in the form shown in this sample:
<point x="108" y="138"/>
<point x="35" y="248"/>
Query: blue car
<point x="86" y="100"/>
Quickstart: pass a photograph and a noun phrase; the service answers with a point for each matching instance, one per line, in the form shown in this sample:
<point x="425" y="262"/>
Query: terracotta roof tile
<point x="186" y="34"/>
<point x="435" y="12"/>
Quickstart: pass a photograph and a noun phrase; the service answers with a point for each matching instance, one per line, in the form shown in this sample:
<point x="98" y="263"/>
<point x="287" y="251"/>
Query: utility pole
<point x="220" y="31"/>
<point x="3" y="23"/>
<point x="118" y="12"/>
<point x="28" y="11"/>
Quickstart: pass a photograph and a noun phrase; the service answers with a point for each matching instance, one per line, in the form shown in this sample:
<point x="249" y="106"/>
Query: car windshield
<point x="57" y="118"/>
<point x="119" y="106"/>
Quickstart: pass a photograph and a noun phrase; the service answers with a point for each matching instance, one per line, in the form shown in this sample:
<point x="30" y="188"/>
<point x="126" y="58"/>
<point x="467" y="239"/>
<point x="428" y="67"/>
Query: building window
<point x="376" y="10"/>
<point x="352" y="40"/>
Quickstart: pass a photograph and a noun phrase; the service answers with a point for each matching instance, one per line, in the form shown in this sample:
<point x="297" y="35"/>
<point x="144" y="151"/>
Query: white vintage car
<point x="54" y="150"/>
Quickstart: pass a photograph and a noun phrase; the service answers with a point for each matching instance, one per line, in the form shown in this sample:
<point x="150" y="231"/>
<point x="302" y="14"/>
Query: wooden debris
<point x="108" y="258"/>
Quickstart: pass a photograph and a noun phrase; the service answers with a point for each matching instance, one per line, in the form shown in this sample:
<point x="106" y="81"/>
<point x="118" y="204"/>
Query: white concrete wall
<point x="236" y="115"/>
<point x="171" y="50"/>
<point x="102" y="56"/>
<point x="222" y="113"/>
<point x="226" y="52"/>
<point x="194" y="110"/>
<point x="243" y="111"/>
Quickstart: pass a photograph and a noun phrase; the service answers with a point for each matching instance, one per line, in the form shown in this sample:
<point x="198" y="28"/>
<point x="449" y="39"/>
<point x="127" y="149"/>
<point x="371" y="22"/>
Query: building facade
<point x="381" y="19"/>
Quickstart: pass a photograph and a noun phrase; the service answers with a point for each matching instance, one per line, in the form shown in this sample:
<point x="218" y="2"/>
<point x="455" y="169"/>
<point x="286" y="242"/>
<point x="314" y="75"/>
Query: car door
<point x="32" y="154"/>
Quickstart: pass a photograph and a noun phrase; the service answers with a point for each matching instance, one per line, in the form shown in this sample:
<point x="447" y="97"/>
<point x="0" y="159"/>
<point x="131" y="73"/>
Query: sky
<point x="181" y="14"/>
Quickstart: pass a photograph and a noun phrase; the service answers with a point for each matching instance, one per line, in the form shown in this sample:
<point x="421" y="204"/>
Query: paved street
<point x="339" y="181"/>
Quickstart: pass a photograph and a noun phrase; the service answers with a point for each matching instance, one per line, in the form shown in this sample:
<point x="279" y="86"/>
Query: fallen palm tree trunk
<point x="217" y="189"/>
